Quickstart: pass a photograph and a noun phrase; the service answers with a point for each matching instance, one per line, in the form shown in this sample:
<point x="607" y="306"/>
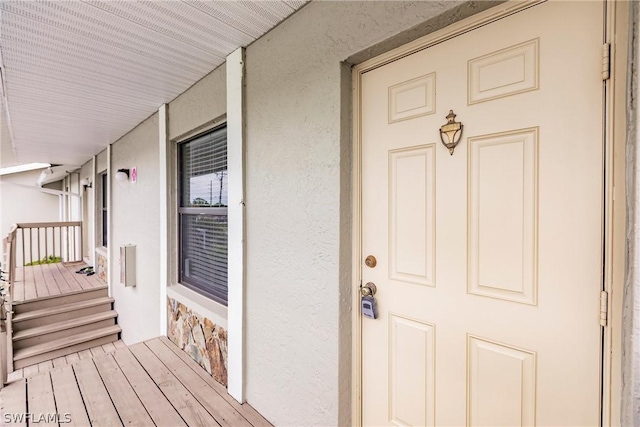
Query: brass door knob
<point x="370" y="261"/>
<point x="368" y="290"/>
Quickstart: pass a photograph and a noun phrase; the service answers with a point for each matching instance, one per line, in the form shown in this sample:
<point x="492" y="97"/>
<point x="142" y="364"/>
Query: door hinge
<point x="606" y="61"/>
<point x="604" y="308"/>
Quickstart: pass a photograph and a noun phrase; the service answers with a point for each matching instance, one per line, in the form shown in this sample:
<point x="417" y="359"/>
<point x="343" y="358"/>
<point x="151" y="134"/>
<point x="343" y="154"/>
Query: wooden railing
<point x="7" y="273"/>
<point x="28" y="244"/>
<point x="41" y="240"/>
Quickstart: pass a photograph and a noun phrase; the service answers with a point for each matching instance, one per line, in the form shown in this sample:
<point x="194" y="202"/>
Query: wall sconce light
<point x="122" y="175"/>
<point x="85" y="183"/>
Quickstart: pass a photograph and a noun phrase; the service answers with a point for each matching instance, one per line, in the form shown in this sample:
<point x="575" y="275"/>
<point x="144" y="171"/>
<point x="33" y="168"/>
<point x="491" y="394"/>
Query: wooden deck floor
<point x="59" y="362"/>
<point x="52" y="279"/>
<point x="150" y="383"/>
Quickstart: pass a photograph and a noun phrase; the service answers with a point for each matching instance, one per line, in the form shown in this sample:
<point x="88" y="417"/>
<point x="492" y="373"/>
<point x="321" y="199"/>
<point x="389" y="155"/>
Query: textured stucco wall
<point x="198" y="108"/>
<point x="136" y="218"/>
<point x="86" y="171"/>
<point x="19" y="204"/>
<point x="200" y="104"/>
<point x="298" y="208"/>
<point x="101" y="161"/>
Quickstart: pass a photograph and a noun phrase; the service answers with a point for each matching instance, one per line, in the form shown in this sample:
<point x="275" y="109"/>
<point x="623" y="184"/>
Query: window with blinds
<point x="203" y="214"/>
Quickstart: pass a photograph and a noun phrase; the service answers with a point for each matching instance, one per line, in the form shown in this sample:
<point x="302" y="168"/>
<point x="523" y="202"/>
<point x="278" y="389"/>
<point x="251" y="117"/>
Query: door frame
<point x="614" y="219"/>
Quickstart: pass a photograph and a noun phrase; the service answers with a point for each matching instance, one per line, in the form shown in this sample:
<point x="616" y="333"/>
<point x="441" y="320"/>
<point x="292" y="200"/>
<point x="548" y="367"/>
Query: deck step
<point x="58" y="330"/>
<point x="63" y="346"/>
<point x="57" y="300"/>
<point x="60" y="313"/>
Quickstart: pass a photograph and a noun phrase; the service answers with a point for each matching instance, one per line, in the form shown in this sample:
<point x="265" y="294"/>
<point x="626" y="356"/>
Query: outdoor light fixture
<point x="85" y="183"/>
<point x="122" y="175"/>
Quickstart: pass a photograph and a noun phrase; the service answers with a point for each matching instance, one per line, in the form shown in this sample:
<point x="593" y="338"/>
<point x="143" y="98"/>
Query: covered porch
<point x="51" y="280"/>
<point x="53" y="303"/>
<point x="42" y="260"/>
<point x="149" y="383"/>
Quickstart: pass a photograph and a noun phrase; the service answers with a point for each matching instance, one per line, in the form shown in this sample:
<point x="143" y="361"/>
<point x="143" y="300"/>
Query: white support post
<point x="110" y="247"/>
<point x="163" y="141"/>
<point x="236" y="273"/>
<point x="92" y="214"/>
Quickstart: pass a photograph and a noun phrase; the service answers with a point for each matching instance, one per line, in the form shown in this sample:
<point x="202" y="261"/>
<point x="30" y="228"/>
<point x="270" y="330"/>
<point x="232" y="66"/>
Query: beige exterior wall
<point x="200" y="105"/>
<point x="86" y="172"/>
<point x="298" y="102"/>
<point x="101" y="161"/>
<point x="20" y="204"/>
<point x="298" y="154"/>
<point x="135" y="217"/>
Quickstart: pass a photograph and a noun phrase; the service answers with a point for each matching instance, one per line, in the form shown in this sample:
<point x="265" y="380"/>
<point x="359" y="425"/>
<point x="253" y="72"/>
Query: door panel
<point x="489" y="260"/>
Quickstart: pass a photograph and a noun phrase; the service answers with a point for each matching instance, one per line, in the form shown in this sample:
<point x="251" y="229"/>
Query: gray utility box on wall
<point x="128" y="265"/>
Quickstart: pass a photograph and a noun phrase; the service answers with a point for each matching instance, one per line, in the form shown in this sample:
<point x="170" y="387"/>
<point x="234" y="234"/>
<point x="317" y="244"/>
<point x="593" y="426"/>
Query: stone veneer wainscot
<point x="101" y="266"/>
<point x="200" y="338"/>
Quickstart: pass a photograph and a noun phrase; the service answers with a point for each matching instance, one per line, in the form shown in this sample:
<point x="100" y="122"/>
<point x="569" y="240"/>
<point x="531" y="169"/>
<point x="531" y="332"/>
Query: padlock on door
<point x="369" y="307"/>
<point x="368" y="302"/>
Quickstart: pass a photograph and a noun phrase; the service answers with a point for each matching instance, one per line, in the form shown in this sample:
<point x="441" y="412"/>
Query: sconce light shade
<point x="122" y="175"/>
<point x="85" y="183"/>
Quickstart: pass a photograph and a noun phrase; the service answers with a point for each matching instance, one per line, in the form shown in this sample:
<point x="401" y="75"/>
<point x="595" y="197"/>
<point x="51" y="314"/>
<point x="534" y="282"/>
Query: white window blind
<point x="203" y="214"/>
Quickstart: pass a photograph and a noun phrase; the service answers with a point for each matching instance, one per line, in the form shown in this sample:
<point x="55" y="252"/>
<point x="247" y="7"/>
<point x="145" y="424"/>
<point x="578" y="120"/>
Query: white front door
<point x="489" y="261"/>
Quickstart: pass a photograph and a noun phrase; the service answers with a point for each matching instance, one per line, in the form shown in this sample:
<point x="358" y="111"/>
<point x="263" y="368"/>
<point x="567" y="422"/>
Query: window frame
<point x="198" y="210"/>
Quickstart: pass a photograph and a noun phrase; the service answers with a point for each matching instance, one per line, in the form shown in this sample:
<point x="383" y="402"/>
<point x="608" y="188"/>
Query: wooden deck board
<point x="72" y="358"/>
<point x="109" y="348"/>
<point x="13" y="402"/>
<point x="59" y="362"/>
<point x="187" y="406"/>
<point x="96" y="398"/>
<point x="38" y="277"/>
<point x="68" y="398"/>
<point x="15" y="375"/>
<point x="96" y="351"/>
<point x="158" y="407"/>
<point x="245" y="409"/>
<point x="30" y="370"/>
<point x="45" y="366"/>
<point x="85" y="354"/>
<point x="151" y="383"/>
<point x="18" y="287"/>
<point x="224" y="413"/>
<point x="119" y="344"/>
<point x="41" y="400"/>
<point x="74" y="280"/>
<point x="129" y="407"/>
<point x="48" y="280"/>
<point x="56" y="274"/>
<point x="29" y="283"/>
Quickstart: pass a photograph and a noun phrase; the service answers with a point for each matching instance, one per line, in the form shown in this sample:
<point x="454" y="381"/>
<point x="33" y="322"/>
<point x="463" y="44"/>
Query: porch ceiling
<point x="77" y="75"/>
